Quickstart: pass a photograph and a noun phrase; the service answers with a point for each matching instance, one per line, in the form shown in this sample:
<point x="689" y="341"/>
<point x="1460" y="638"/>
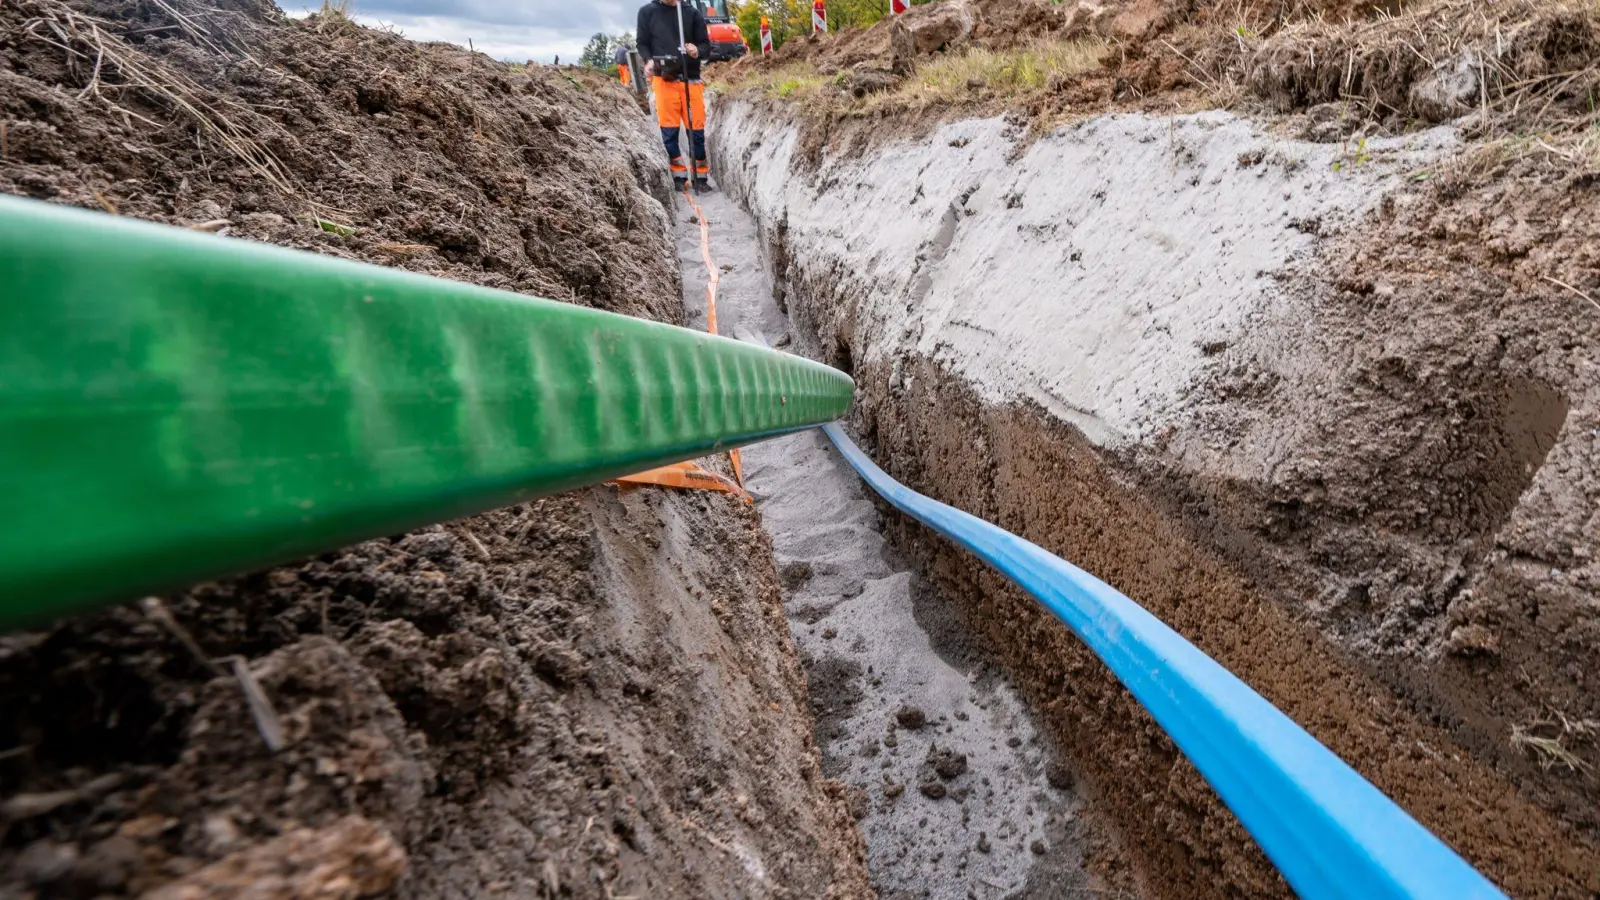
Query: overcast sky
<point x="515" y="30"/>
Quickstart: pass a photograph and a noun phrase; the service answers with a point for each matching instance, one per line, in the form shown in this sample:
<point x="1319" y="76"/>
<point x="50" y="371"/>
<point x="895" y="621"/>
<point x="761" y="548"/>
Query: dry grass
<point x="335" y="16"/>
<point x="1515" y="65"/>
<point x="111" y="69"/>
<point x="793" y="81"/>
<point x="954" y="78"/>
<point x="1521" y="76"/>
<point x="1547" y="741"/>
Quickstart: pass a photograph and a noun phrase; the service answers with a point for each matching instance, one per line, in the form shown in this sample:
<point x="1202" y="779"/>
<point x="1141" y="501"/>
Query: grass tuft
<point x="954" y="77"/>
<point x="1545" y="740"/>
<point x="335" y="16"/>
<point x="795" y="81"/>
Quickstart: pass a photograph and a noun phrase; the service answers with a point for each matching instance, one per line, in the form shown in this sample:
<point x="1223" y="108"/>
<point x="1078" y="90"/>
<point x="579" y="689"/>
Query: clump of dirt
<point x="586" y="696"/>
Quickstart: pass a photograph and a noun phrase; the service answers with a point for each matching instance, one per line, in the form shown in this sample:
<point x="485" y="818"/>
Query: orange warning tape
<point x="689" y="475"/>
<point x="711" y="265"/>
<point x="683" y="475"/>
<point x="714" y="278"/>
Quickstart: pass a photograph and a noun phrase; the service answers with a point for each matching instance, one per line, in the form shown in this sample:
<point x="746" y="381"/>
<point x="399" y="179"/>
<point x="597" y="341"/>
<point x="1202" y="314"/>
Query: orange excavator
<point x="727" y="41"/>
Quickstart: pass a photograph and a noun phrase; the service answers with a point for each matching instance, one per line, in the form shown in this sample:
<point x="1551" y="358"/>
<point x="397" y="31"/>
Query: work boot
<point x="702" y="186"/>
<point x="680" y="184"/>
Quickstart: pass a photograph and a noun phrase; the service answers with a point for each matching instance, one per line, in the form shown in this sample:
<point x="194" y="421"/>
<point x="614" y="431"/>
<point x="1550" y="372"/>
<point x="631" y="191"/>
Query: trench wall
<point x="585" y="696"/>
<point x="1031" y="326"/>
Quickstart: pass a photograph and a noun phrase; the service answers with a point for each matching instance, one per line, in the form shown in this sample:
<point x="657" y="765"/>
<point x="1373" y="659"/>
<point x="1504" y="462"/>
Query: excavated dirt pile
<point x="1357" y="68"/>
<point x="585" y="696"/>
<point x="1313" y="379"/>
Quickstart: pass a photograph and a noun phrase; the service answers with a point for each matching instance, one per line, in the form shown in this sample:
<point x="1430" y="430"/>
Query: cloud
<point x="517" y="31"/>
<point x="590" y="15"/>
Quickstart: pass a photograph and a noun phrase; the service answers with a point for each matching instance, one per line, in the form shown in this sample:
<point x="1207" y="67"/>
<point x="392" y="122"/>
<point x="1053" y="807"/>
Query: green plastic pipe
<point x="176" y="406"/>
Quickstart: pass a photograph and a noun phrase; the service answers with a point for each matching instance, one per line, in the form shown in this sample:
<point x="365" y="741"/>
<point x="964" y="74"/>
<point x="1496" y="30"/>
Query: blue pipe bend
<point x="1327" y="829"/>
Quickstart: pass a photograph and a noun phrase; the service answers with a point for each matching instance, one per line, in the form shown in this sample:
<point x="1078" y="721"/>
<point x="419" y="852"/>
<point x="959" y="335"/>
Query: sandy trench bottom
<point x="955" y="789"/>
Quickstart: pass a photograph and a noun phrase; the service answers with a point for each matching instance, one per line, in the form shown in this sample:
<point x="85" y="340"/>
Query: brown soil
<point x="856" y="108"/>
<point x="1439" y="519"/>
<point x="586" y="696"/>
<point x="443" y="161"/>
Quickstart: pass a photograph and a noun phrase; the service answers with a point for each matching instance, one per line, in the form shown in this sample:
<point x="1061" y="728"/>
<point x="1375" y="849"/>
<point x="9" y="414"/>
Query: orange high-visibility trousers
<point x="670" y="115"/>
<point x="669" y="103"/>
<point x="624" y="73"/>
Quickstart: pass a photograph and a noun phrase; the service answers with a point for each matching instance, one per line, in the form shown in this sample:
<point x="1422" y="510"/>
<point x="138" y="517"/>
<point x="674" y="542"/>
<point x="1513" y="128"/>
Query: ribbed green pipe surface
<point x="176" y="406"/>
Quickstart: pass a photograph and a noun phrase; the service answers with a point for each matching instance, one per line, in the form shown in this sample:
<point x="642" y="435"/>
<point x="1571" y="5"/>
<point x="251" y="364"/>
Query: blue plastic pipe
<point x="1327" y="829"/>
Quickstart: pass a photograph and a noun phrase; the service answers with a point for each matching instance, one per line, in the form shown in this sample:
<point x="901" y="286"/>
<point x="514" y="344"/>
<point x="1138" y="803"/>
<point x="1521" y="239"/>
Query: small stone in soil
<point x="1058" y="775"/>
<point x="1013" y="742"/>
<point x="892" y="791"/>
<point x="911" y="717"/>
<point x="829" y="634"/>
<point x="889" y="740"/>
<point x="1037" y="847"/>
<point x="794" y="574"/>
<point x="932" y="789"/>
<point x="983" y="842"/>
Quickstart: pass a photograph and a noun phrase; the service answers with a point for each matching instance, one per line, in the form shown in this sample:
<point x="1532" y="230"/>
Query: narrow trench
<point x="951" y="781"/>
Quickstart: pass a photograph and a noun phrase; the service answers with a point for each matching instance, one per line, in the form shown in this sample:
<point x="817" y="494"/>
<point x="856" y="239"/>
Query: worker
<point x="670" y="69"/>
<point x="623" y="71"/>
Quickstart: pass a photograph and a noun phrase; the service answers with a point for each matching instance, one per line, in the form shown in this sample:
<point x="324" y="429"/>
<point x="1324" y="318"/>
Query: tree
<point x="601" y="51"/>
<point x="844" y="14"/>
<point x="788" y="18"/>
<point x="597" y="53"/>
<point x="748" y="17"/>
<point x="792" y="18"/>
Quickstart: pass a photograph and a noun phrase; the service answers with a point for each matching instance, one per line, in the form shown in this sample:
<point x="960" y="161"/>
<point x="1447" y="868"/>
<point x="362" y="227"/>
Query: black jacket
<point x="657" y="34"/>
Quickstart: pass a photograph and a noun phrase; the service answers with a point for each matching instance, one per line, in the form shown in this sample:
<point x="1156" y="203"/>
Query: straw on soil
<point x="110" y="68"/>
